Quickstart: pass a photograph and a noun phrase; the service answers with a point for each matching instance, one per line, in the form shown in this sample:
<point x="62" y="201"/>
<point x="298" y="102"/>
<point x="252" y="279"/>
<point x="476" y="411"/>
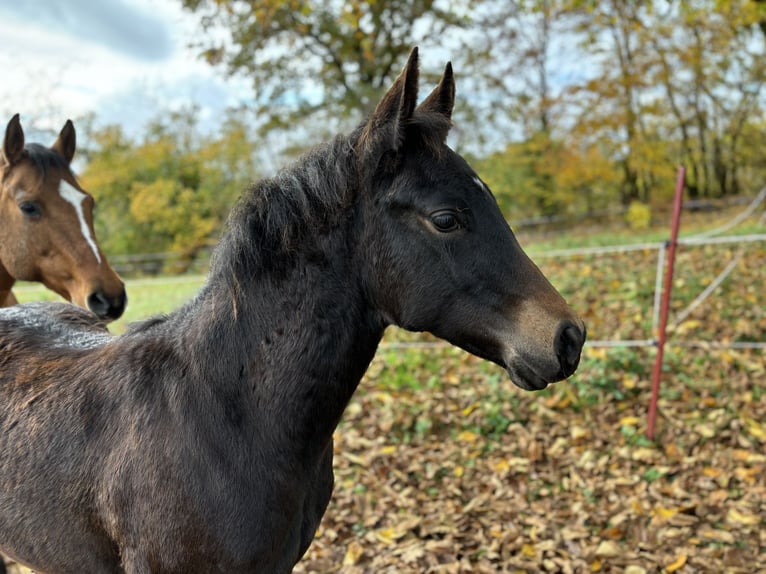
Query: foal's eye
<point x="445" y="221"/>
<point x="30" y="209"/>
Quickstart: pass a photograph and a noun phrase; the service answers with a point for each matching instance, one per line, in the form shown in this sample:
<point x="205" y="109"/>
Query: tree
<point x="641" y="85"/>
<point x="171" y="191"/>
<point x="307" y="56"/>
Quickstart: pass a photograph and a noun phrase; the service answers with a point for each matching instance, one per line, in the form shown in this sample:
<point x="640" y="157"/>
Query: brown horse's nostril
<point x="105" y="306"/>
<point x="568" y="346"/>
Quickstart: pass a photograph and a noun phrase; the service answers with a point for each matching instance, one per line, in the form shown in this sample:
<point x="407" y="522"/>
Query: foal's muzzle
<point x="568" y="346"/>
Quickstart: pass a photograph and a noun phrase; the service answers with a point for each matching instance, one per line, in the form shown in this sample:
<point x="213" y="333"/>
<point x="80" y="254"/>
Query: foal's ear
<point x="13" y="144"/>
<point x="396" y="108"/>
<point x="66" y="142"/>
<point x="442" y="99"/>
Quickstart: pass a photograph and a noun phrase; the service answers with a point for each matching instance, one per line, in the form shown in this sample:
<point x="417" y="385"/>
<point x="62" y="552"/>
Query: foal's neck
<point x="293" y="343"/>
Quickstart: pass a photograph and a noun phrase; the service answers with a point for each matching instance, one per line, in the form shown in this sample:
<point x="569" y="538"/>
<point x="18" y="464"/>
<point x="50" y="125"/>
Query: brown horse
<point x="46" y="226"/>
<point x="201" y="441"/>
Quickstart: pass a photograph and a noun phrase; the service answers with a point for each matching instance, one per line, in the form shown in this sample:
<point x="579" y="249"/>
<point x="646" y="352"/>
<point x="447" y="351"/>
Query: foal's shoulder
<point x="58" y="324"/>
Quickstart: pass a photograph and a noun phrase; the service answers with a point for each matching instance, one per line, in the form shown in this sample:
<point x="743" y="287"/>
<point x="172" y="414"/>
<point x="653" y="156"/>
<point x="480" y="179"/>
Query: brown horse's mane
<point x="44" y="158"/>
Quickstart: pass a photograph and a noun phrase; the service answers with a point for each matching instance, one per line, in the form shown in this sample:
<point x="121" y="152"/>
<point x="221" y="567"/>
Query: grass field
<point x="146" y="297"/>
<point x="443" y="466"/>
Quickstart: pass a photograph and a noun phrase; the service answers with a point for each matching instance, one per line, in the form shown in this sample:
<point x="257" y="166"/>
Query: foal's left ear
<point x="389" y="119"/>
<point x="66" y="142"/>
<point x="442" y="99"/>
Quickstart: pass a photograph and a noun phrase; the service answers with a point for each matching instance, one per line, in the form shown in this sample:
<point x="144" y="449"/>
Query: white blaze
<point x="74" y="196"/>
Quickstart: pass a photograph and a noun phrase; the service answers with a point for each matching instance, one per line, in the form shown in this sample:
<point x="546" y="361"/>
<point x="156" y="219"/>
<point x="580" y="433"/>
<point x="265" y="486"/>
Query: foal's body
<point x="205" y="436"/>
<point x="202" y="441"/>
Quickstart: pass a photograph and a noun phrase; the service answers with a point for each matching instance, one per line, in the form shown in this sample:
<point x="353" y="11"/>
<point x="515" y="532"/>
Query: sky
<point x="123" y="60"/>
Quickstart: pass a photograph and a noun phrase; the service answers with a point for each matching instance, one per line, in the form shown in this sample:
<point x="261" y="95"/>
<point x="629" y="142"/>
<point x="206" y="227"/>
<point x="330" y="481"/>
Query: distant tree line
<point x="568" y="107"/>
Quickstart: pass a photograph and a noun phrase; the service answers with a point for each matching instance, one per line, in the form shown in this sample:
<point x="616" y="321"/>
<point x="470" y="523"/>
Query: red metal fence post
<point x="665" y="303"/>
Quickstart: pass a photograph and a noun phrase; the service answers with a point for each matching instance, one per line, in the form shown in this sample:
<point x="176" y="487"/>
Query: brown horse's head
<point x="46" y="225"/>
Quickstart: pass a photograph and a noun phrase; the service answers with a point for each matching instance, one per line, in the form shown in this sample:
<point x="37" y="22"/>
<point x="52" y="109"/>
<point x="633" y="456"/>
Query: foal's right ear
<point x="66" y="142"/>
<point x="386" y="126"/>
<point x="442" y="99"/>
<point x="13" y="144"/>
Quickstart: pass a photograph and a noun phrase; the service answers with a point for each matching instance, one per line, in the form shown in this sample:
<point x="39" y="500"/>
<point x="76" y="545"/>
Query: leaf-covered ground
<point x="443" y="466"/>
<point x="461" y="472"/>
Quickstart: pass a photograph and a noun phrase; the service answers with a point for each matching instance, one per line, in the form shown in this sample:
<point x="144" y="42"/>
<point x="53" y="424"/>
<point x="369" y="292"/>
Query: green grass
<point x="146" y="297"/>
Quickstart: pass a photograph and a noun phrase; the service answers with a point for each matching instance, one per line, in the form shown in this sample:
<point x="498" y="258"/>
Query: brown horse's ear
<point x="66" y="142"/>
<point x="442" y="99"/>
<point x="396" y="108"/>
<point x="13" y="144"/>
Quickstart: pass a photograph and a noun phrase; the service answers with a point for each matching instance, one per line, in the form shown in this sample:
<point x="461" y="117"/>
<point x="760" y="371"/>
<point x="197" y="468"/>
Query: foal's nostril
<point x="568" y="346"/>
<point x="107" y="307"/>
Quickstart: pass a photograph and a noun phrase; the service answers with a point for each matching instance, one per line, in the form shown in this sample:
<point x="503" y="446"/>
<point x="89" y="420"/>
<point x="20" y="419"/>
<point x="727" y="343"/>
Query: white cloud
<point x="125" y="27"/>
<point x="123" y="60"/>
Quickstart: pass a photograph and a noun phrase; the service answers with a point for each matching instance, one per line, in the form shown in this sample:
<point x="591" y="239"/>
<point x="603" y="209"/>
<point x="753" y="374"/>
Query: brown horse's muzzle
<point x="106" y="306"/>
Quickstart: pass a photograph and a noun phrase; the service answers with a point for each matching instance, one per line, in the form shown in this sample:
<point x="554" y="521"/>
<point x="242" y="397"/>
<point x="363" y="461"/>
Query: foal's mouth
<point x="526" y="378"/>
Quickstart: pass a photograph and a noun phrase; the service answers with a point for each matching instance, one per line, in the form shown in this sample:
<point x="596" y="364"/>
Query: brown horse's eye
<point x="445" y="221"/>
<point x="30" y="209"/>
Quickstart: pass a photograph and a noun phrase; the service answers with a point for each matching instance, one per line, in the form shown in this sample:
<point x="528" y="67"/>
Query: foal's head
<point x="441" y="256"/>
<point x="46" y="224"/>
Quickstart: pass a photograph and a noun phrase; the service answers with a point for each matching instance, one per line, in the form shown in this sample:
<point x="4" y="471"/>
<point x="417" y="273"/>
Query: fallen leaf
<point x="677" y="564"/>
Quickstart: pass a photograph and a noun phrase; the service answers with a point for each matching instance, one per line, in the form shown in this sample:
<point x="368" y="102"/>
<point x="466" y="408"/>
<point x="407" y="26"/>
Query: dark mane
<point x="307" y="198"/>
<point x="280" y="213"/>
<point x="44" y="158"/>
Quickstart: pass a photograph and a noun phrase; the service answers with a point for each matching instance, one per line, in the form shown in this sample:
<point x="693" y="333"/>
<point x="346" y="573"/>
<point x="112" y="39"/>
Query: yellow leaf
<point x="391" y="449"/>
<point x="385" y="535"/>
<point x="501" y="466"/>
<point x="629" y="421"/>
<point x="707" y="431"/>
<point x="749" y="475"/>
<point x="459" y="470"/>
<point x="664" y="513"/>
<point x="644" y="454"/>
<point x="467" y="436"/>
<point x="756" y="429"/>
<point x="737" y="517"/>
<point x="596" y="352"/>
<point x="677" y="564"/>
<point x="528" y="550"/>
<point x="608" y="549"/>
<point x="469" y="409"/>
<point x="578" y="432"/>
<point x="353" y="554"/>
<point x="749" y="456"/>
